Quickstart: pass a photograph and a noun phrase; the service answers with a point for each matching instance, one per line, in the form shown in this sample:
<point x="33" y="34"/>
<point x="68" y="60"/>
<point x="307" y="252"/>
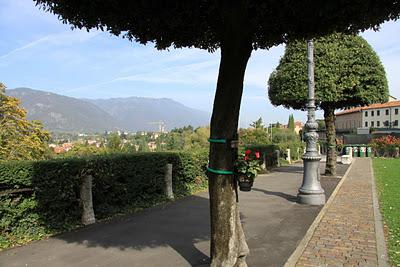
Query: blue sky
<point x="39" y="52"/>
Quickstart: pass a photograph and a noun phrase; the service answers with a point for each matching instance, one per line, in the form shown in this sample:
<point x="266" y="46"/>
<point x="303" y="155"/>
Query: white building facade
<point x="381" y="117"/>
<point x="376" y="116"/>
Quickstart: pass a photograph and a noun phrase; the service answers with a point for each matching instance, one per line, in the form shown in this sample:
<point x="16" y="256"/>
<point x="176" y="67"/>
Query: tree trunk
<point x="228" y="244"/>
<point x="330" y="168"/>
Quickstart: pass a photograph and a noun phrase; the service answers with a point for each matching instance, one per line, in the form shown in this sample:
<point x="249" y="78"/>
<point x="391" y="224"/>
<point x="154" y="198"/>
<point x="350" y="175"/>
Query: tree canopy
<point x="348" y="73"/>
<point x="202" y="23"/>
<point x="20" y="139"/>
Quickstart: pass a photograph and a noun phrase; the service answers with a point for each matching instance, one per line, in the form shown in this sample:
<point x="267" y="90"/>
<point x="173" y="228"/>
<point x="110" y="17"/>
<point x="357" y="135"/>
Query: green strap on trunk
<point x="215" y="140"/>
<point x="223" y="172"/>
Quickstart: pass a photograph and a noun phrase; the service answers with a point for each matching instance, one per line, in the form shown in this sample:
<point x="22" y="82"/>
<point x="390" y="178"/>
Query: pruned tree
<point x="348" y="73"/>
<point x="236" y="28"/>
<point x="291" y="125"/>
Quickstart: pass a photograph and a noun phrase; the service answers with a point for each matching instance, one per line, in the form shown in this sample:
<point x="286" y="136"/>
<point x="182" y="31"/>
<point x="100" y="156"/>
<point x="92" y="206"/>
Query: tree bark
<point x="228" y="243"/>
<point x="330" y="168"/>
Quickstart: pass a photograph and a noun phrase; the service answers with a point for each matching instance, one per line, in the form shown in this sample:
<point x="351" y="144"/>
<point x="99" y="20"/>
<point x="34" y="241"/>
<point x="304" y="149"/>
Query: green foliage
<point x="258" y="124"/>
<point x="267" y="152"/>
<point x="114" y="143"/>
<point x="187" y="138"/>
<point x="291" y="125"/>
<point x="321" y="125"/>
<point x="388" y="184"/>
<point x="254" y="136"/>
<point x="249" y="163"/>
<point x="19" y="138"/>
<point x="386" y="146"/>
<point x="42" y="197"/>
<point x="83" y="150"/>
<point x="348" y="73"/>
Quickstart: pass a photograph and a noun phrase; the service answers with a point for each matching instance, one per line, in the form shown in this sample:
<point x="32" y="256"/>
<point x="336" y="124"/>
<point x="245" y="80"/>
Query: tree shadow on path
<point x="288" y="197"/>
<point x="179" y="225"/>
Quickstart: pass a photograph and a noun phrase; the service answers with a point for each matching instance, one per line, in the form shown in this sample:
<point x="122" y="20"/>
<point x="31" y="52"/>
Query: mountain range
<point x="61" y="113"/>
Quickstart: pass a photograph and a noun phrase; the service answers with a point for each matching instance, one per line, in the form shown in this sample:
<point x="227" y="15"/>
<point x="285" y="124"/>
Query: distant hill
<point x="63" y="114"/>
<point x="67" y="114"/>
<point x="138" y="112"/>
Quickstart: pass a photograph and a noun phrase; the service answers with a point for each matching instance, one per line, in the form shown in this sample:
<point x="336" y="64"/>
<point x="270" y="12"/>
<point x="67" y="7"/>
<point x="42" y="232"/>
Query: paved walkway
<point x="346" y="234"/>
<point x="178" y="234"/>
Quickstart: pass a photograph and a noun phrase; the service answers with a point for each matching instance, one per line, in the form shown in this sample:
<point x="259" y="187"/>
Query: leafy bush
<point x="386" y="146"/>
<point x="267" y="154"/>
<point x="39" y="198"/>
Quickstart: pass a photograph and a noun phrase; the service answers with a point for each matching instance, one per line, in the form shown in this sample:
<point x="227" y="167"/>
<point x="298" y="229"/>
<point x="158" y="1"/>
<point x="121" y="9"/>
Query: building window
<point x="396" y="111"/>
<point x="387" y="112"/>
<point x="378" y="123"/>
<point x="366" y="113"/>
<point x="366" y="124"/>
<point x="378" y="113"/>
<point x="372" y="123"/>
<point x="396" y="123"/>
<point x="372" y="113"/>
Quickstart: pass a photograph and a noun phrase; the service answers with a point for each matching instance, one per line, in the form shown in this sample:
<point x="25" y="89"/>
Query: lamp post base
<point x="311" y="199"/>
<point x="311" y="192"/>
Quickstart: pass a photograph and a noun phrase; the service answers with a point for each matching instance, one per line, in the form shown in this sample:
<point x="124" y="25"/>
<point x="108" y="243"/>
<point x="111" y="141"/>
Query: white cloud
<point x="60" y="39"/>
<point x="194" y="73"/>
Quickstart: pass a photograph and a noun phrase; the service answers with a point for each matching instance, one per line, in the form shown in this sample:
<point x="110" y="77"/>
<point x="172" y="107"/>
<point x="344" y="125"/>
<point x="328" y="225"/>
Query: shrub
<point x="39" y="198"/>
<point x="267" y="154"/>
<point x="386" y="146"/>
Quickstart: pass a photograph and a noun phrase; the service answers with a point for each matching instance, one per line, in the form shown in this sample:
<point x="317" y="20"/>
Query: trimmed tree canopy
<point x="348" y="73"/>
<point x="202" y="23"/>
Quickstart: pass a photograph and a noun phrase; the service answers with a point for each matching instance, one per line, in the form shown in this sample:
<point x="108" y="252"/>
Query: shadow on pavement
<point x="289" y="169"/>
<point x="288" y="197"/>
<point x="178" y="225"/>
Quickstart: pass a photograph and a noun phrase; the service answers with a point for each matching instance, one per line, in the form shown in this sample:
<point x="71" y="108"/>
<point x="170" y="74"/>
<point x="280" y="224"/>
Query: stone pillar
<point x="351" y="153"/>
<point x="168" y="182"/>
<point x="277" y="155"/>
<point x="288" y="158"/>
<point x="264" y="162"/>
<point x="311" y="191"/>
<point x="87" y="200"/>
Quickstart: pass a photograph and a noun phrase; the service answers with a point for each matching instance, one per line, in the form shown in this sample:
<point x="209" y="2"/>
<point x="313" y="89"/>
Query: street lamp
<point x="311" y="191"/>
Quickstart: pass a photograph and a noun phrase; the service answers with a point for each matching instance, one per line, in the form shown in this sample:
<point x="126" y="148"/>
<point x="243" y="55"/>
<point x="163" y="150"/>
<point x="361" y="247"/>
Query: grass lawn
<point x="387" y="175"/>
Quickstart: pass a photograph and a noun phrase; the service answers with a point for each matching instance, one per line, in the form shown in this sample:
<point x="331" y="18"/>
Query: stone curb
<point x="291" y="262"/>
<point x="380" y="236"/>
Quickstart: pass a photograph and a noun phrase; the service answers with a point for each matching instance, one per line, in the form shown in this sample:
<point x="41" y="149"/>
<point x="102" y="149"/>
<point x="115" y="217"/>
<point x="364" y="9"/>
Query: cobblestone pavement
<point x="345" y="236"/>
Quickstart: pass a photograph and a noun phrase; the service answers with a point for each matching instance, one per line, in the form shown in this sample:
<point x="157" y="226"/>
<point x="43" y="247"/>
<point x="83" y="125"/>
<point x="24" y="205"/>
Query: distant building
<point x="361" y="119"/>
<point x="298" y="125"/>
<point x="61" y="148"/>
<point x="152" y="146"/>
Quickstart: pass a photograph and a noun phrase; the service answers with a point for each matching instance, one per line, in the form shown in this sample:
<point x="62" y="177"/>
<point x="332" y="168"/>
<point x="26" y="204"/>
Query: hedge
<point x="39" y="198"/>
<point x="268" y="152"/>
